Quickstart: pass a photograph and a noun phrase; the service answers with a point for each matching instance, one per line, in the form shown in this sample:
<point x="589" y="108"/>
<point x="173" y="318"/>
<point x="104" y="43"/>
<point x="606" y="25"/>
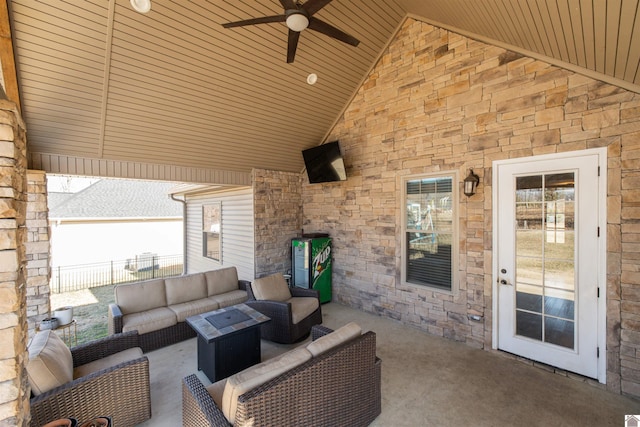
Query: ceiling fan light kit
<point x="141" y="6"/>
<point x="298" y="17"/>
<point x="296" y="21"/>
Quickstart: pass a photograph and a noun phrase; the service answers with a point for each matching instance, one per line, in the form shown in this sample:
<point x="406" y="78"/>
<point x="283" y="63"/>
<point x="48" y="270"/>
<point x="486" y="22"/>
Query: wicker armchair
<point x="120" y="392"/>
<point x="341" y="387"/>
<point x="281" y="328"/>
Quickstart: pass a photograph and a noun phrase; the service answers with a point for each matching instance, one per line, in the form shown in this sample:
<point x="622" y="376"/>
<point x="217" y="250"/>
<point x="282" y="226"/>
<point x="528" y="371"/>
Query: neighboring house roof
<point x="116" y="198"/>
<point x="55" y="199"/>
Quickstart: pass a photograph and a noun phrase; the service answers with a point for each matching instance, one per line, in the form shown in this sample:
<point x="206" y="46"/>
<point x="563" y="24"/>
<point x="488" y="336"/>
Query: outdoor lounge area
<point x="479" y="185"/>
<point x="427" y="380"/>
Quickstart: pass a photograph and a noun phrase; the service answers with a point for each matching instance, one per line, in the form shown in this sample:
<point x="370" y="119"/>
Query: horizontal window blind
<point x="429" y="231"/>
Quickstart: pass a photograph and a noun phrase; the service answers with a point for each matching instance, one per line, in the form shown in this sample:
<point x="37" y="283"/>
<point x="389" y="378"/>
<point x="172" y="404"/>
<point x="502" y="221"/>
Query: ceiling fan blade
<point x="254" y="21"/>
<point x="312" y="6"/>
<point x="288" y="4"/>
<point x="331" y="31"/>
<point x="294" y="36"/>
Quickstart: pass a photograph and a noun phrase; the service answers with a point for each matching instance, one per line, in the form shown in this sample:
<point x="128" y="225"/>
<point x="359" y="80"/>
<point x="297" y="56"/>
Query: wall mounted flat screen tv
<point x="324" y="163"/>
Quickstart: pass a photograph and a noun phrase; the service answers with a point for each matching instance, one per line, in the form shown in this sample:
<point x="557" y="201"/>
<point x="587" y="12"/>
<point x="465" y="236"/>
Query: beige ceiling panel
<point x="628" y="15"/>
<point x="600" y="34"/>
<point x="631" y="34"/>
<point x="588" y="34"/>
<point x="173" y="87"/>
<point x="612" y="35"/>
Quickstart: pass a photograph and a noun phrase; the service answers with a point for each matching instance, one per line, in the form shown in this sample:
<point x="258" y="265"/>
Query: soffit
<point x="100" y="81"/>
<point x="174" y="87"/>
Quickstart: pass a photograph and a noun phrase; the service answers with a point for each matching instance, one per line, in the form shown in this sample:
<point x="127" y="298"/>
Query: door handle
<point x="504" y="282"/>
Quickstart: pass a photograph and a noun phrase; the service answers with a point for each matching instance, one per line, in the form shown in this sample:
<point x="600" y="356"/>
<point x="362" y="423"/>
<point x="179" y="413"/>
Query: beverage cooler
<point x="311" y="264"/>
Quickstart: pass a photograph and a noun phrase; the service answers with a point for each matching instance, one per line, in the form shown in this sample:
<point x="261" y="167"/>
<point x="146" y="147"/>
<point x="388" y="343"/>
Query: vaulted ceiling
<point x="171" y="94"/>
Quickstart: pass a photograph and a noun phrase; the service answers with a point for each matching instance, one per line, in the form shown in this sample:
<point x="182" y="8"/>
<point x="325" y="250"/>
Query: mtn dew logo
<point x="321" y="258"/>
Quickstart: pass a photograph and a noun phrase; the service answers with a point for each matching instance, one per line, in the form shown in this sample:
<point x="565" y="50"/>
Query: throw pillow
<point x="50" y="362"/>
<point x="271" y="288"/>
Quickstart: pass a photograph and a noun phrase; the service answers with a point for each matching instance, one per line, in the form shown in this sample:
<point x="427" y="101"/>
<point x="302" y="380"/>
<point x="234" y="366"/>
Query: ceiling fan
<point x="298" y="17"/>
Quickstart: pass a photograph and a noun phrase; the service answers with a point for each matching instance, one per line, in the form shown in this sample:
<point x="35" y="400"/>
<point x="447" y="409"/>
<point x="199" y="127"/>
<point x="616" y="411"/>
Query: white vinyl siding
<point x="236" y="230"/>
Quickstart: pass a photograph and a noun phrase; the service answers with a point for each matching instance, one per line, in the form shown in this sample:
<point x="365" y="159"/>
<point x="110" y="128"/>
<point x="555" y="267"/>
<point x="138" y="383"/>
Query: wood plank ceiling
<point x="99" y="81"/>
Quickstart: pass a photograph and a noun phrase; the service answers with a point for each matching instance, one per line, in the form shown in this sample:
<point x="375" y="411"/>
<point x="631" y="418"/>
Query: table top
<point x="206" y="330"/>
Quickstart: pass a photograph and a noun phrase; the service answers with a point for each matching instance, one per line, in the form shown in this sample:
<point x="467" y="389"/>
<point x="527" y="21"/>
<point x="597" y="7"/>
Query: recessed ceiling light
<point x="312" y="79"/>
<point x="142" y="6"/>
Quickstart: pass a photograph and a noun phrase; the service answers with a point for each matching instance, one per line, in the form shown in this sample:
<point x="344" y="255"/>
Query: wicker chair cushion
<point x="142" y="296"/>
<point x="257" y="375"/>
<point x="107" y="362"/>
<point x="185" y="288"/>
<point x="335" y="338"/>
<point x="221" y="281"/>
<point x="302" y="307"/>
<point x="216" y="390"/>
<point x="149" y="321"/>
<point x="50" y="362"/>
<point x="271" y="288"/>
<point x="230" y="298"/>
<point x="191" y="308"/>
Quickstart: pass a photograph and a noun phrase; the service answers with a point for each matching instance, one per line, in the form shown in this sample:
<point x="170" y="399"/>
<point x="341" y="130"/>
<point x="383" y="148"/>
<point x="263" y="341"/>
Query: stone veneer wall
<point x="38" y="249"/>
<point x="277" y="219"/>
<point x="14" y="396"/>
<point x="439" y="101"/>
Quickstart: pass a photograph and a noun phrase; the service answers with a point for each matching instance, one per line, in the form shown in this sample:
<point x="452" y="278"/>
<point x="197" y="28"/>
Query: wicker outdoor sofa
<point x="339" y="386"/>
<point x="110" y="379"/>
<point x="157" y="308"/>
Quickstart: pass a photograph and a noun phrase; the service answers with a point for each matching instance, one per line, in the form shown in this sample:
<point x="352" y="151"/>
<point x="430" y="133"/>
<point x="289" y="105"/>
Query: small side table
<point x="69" y="333"/>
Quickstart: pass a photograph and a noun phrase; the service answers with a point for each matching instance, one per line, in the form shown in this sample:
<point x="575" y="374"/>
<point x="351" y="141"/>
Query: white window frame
<point x="455" y="237"/>
<point x="208" y="209"/>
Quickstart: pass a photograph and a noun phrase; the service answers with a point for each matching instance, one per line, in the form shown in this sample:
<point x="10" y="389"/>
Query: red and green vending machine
<point x="311" y="263"/>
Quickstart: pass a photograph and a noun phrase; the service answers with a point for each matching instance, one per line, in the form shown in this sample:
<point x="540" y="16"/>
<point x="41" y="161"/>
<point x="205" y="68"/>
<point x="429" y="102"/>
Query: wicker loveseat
<point x="157" y="308"/>
<point x="337" y="385"/>
<point x="108" y="377"/>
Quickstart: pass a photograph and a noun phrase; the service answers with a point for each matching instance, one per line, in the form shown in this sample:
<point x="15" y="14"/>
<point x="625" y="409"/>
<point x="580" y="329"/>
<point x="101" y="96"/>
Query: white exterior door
<point x="550" y="259"/>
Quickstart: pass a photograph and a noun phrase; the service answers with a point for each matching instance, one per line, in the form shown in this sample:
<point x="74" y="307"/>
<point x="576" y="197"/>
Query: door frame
<point x="601" y="251"/>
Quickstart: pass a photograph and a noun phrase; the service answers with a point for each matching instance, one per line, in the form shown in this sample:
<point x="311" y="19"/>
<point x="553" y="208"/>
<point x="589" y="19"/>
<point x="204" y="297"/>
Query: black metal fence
<point x="142" y="267"/>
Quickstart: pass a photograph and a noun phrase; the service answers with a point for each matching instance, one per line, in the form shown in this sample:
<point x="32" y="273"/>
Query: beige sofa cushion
<point x="335" y="338"/>
<point x="185" y="288"/>
<point x="257" y="375"/>
<point x="302" y="307"/>
<point x="149" y="321"/>
<point x="50" y="362"/>
<point x="221" y="281"/>
<point x="141" y="296"/>
<point x="107" y="362"/>
<point x="271" y="288"/>
<point x="230" y="298"/>
<point x="191" y="308"/>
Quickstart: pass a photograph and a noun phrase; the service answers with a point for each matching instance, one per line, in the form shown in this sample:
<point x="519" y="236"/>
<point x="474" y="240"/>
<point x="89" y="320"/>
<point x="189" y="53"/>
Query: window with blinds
<point x="430" y="231"/>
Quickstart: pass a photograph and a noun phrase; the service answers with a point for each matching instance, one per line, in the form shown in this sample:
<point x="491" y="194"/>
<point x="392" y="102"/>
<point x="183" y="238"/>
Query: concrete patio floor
<point x="429" y="381"/>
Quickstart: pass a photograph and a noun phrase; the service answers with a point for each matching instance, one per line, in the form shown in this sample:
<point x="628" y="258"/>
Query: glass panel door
<point x="550" y="261"/>
<point x="545" y="258"/>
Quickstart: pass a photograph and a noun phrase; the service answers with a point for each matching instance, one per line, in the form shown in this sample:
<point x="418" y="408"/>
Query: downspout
<point x="184" y="231"/>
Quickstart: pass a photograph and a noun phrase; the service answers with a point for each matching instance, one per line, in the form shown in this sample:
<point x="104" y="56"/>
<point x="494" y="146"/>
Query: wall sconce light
<point x="471" y="183"/>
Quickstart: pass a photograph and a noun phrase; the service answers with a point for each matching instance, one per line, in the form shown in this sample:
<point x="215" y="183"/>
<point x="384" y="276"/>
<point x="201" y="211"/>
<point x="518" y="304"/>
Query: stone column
<point x="277" y="219"/>
<point x="14" y="396"/>
<point x="38" y="249"/>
